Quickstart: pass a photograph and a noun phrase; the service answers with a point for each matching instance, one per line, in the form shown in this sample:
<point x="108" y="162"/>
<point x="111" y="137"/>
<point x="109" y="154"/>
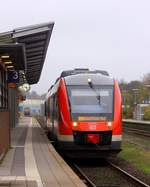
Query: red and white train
<point x="83" y="113"/>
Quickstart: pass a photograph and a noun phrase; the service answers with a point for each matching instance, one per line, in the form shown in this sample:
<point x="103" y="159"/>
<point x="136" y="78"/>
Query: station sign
<point x="12" y="85"/>
<point x="13" y="76"/>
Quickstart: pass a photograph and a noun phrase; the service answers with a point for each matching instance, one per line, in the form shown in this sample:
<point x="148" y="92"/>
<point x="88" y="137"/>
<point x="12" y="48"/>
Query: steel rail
<point x="84" y="176"/>
<point x="129" y="175"/>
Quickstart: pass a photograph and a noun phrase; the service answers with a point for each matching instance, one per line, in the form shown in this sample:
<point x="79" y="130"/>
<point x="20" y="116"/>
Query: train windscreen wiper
<point x="98" y="97"/>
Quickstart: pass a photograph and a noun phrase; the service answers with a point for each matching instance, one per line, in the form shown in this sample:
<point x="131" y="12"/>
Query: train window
<point x="96" y="103"/>
<point x="45" y="108"/>
<point x="57" y="111"/>
<point x="54" y="107"/>
<point x="51" y="109"/>
<point x="56" y="115"/>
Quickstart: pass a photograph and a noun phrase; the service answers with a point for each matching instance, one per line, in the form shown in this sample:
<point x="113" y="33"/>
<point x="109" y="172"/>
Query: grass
<point x="138" y="157"/>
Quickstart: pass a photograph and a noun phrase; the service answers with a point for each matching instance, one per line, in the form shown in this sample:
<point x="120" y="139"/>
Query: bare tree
<point x="146" y="79"/>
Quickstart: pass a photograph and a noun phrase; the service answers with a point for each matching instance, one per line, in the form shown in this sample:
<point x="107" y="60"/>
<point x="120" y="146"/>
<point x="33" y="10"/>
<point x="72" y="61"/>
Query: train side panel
<point x="117" y="123"/>
<point x="65" y="119"/>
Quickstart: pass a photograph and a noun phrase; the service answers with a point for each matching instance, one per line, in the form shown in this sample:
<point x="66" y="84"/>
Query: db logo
<point x="92" y="127"/>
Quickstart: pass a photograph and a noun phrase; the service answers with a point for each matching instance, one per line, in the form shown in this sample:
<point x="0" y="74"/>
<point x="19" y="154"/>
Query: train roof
<point x="84" y="78"/>
<point x="81" y="77"/>
<point x="81" y="71"/>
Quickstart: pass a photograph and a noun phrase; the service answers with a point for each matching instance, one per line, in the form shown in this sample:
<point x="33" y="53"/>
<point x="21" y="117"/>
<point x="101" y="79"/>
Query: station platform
<point x="136" y="121"/>
<point x="33" y="161"/>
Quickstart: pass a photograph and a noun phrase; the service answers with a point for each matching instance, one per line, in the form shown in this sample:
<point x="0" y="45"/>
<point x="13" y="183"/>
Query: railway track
<point x="137" y="131"/>
<point x="119" y="177"/>
<point x="141" y="128"/>
<point x="135" y="179"/>
<point x="83" y="176"/>
<point x="140" y="125"/>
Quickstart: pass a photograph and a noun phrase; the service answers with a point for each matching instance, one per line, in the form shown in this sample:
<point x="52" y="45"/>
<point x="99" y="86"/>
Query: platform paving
<point x="33" y="162"/>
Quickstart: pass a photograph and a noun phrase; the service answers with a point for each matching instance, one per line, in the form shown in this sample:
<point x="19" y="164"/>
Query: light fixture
<point x="89" y="80"/>
<point x="5" y="56"/>
<point x="26" y="87"/>
<point x="74" y="124"/>
<point x="9" y="67"/>
<point x="8" y="62"/>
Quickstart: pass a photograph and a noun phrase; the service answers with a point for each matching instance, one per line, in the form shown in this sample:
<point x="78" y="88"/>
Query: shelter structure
<point x="22" y="55"/>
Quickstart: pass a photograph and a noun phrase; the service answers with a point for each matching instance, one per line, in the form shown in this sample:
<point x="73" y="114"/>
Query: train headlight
<point x="74" y="124"/>
<point x="109" y="124"/>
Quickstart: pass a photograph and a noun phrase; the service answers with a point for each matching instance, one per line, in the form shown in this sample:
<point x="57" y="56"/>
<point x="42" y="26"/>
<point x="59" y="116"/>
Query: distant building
<point x="31" y="107"/>
<point x="139" y="111"/>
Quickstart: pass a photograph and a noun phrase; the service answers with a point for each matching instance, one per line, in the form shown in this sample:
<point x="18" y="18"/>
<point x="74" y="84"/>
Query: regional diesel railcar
<point x="83" y="113"/>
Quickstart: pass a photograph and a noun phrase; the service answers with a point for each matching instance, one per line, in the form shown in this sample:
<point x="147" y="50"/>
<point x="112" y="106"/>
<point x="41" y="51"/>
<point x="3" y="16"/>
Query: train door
<point x="51" y="113"/>
<point x="55" y="115"/>
<point x="47" y="112"/>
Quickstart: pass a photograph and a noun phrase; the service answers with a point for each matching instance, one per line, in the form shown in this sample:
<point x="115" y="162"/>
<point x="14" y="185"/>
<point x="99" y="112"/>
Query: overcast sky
<point x="113" y="35"/>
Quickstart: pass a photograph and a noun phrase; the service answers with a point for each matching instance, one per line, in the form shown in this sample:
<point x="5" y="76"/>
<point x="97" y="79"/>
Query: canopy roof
<point x="15" y="53"/>
<point x="27" y="47"/>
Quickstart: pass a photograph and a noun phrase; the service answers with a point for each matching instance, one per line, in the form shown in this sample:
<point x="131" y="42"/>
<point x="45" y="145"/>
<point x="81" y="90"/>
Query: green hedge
<point x="147" y="113"/>
<point x="128" y="113"/>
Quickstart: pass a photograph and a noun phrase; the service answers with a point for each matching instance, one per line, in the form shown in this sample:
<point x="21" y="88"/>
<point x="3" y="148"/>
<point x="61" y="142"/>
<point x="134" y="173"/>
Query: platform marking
<point x="17" y="146"/>
<point x="12" y="178"/>
<point x="31" y="169"/>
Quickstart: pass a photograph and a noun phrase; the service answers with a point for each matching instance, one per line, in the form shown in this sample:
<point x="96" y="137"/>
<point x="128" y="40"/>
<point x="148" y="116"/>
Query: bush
<point x="128" y="113"/>
<point x="147" y="113"/>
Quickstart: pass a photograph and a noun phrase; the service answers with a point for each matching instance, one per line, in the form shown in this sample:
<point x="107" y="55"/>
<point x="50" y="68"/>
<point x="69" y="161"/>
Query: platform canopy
<point x="27" y="47"/>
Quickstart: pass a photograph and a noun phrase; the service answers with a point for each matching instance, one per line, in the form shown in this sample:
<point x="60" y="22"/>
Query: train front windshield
<point x="91" y="103"/>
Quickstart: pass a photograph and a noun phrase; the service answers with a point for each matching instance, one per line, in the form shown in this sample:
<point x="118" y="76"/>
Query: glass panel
<point x="3" y="88"/>
<point x="87" y="101"/>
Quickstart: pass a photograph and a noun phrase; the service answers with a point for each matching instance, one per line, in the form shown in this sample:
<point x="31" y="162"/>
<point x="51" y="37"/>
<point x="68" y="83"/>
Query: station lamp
<point x="24" y="88"/>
